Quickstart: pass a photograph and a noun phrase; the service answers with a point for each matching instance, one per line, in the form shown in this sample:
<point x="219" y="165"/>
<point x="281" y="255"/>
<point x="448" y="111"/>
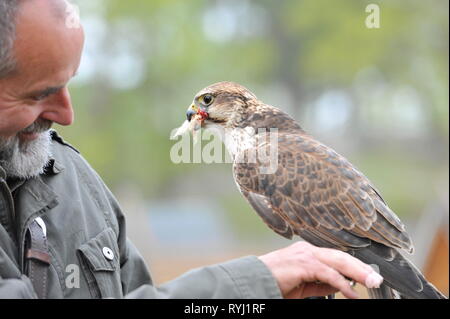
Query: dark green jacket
<point x="83" y="218"/>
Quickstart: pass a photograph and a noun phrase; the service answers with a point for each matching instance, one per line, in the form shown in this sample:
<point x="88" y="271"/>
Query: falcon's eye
<point x="207" y="99"/>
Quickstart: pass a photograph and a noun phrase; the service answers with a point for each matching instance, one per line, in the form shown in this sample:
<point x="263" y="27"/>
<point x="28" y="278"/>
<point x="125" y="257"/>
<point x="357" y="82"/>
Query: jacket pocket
<point x="100" y="263"/>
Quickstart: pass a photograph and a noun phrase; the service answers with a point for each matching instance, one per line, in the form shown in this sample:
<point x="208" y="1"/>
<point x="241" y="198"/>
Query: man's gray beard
<point x="26" y="159"/>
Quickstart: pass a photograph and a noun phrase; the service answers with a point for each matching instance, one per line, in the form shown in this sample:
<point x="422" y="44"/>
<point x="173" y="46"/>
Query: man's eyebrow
<point x="47" y="91"/>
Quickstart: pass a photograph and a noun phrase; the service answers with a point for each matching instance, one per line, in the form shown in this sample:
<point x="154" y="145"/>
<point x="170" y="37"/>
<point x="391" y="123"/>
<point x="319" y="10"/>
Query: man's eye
<point x="45" y="94"/>
<point x="40" y="97"/>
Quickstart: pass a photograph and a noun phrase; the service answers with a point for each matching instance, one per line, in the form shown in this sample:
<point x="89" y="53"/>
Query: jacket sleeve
<point x="241" y="278"/>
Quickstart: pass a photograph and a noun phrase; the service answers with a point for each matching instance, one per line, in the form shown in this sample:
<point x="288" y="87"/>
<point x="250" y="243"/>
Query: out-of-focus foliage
<point x="378" y="96"/>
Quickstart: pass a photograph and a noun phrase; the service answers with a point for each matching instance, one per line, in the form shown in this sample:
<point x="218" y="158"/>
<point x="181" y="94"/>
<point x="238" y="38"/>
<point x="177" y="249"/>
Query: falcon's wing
<point x="317" y="192"/>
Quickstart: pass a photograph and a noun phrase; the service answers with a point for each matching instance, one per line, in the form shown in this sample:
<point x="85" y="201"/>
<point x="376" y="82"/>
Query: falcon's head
<point x="221" y="103"/>
<point x="228" y="104"/>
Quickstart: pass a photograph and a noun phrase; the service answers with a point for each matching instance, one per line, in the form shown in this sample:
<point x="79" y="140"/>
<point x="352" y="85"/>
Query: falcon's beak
<point x="193" y="110"/>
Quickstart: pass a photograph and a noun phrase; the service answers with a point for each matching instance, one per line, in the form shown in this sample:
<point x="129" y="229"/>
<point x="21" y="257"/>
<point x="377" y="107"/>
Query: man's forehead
<point x="56" y="8"/>
<point x="43" y="41"/>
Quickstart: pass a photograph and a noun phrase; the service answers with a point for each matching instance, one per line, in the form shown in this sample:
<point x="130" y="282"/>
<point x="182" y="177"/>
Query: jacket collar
<point x="35" y="198"/>
<point x="53" y="167"/>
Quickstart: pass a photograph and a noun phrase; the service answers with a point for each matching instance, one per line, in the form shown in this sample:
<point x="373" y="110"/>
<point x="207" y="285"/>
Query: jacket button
<point x="108" y="253"/>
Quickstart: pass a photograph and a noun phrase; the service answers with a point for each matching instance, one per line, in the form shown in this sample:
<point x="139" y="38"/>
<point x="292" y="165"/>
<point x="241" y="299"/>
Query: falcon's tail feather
<point x="384" y="292"/>
<point x="398" y="273"/>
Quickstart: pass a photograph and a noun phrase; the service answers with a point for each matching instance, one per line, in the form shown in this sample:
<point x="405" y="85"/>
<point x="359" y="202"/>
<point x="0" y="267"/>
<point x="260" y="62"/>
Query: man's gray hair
<point x="8" y="9"/>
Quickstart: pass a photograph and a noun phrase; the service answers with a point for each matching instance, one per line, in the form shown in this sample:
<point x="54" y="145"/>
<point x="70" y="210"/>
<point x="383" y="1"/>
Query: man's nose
<point x="58" y="108"/>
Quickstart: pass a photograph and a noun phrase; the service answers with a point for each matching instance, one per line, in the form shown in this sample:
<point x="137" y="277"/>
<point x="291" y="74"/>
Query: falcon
<point x="313" y="192"/>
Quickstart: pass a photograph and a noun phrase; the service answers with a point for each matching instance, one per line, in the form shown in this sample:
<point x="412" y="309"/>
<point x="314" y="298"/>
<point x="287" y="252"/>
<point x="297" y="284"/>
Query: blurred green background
<point x="377" y="96"/>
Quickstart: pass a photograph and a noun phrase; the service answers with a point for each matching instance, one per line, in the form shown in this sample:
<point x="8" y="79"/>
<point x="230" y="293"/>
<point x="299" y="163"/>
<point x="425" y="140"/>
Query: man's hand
<point x="303" y="270"/>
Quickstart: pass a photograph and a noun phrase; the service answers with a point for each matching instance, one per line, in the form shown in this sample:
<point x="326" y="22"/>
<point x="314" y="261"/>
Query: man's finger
<point x="350" y="267"/>
<point x="328" y="275"/>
